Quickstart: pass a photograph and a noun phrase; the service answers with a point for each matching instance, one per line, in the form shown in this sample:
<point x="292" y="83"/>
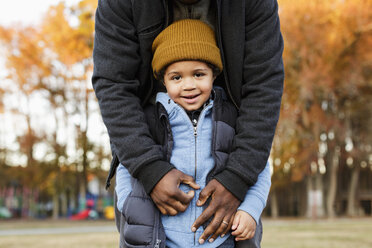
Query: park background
<point x="54" y="148"/>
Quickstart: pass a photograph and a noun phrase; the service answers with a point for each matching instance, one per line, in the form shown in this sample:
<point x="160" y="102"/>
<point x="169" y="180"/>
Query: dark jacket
<point x="143" y="226"/>
<point x="248" y="35"/>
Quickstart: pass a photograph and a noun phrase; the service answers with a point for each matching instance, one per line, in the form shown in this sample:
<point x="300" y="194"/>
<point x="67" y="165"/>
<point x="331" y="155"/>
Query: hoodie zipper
<point x="195" y="126"/>
<point x="195" y="123"/>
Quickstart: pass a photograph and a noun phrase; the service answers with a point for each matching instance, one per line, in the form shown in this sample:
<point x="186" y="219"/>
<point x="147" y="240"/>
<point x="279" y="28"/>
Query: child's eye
<point x="176" y="78"/>
<point x="199" y="74"/>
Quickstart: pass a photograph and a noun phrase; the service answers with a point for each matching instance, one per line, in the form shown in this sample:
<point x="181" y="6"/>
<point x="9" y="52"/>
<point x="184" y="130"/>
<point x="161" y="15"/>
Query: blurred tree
<point x="26" y="68"/>
<point x="69" y="33"/>
<point x="53" y="61"/>
<point x="327" y="60"/>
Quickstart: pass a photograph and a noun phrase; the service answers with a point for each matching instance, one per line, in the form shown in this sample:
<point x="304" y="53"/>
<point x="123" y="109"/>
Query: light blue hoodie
<point x="192" y="155"/>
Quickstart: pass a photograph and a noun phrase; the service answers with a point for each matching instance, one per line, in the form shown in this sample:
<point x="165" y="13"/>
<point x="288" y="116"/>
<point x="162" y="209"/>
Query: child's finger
<point x="243" y="237"/>
<point x="240" y="237"/>
<point x="244" y="234"/>
<point x="236" y="222"/>
<point x="239" y="230"/>
<point x="251" y="234"/>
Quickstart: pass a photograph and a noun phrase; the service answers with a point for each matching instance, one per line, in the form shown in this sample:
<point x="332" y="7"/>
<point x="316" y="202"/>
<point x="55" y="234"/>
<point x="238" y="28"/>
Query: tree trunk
<point x="55" y="206"/>
<point x="351" y="198"/>
<point x="309" y="186"/>
<point x="64" y="206"/>
<point x="319" y="195"/>
<point x="274" y="204"/>
<point x="85" y="147"/>
<point x="82" y="197"/>
<point x="332" y="188"/>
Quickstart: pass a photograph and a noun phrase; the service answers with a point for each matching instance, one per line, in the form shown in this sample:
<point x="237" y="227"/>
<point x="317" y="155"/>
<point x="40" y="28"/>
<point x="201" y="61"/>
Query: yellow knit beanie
<point x="186" y="39"/>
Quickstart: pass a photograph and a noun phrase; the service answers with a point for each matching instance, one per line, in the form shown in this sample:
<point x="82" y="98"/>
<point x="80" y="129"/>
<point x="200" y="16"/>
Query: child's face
<point x="189" y="83"/>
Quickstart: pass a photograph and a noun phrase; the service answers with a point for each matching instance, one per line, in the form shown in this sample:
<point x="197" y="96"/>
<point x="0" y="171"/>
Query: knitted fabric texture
<point x="186" y="39"/>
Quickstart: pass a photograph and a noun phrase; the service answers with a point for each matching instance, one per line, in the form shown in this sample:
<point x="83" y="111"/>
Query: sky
<point x="26" y="12"/>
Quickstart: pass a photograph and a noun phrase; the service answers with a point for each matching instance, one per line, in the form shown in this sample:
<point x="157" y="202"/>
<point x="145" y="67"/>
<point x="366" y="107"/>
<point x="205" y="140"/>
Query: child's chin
<point x="189" y="109"/>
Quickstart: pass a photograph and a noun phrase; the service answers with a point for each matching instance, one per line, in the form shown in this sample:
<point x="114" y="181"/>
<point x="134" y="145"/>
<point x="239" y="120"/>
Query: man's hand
<point x="167" y="195"/>
<point x="223" y="206"/>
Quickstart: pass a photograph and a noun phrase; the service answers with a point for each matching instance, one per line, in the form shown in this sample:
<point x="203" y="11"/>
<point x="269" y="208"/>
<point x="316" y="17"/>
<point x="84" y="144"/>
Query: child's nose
<point x="189" y="83"/>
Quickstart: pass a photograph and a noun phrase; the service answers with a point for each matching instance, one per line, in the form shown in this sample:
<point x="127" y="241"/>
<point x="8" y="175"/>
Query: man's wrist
<point x="151" y="174"/>
<point x="233" y="183"/>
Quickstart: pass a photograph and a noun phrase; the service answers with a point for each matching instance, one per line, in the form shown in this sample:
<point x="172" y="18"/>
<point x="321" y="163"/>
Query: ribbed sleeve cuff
<point x="253" y="205"/>
<point x="233" y="183"/>
<point x="150" y="175"/>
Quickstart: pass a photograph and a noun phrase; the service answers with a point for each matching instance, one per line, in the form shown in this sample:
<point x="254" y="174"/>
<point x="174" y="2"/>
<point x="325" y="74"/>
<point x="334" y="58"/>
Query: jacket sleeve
<point x="116" y="62"/>
<point x="256" y="197"/>
<point x="261" y="93"/>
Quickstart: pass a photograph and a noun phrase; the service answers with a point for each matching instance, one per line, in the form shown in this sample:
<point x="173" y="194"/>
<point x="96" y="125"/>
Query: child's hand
<point x="244" y="226"/>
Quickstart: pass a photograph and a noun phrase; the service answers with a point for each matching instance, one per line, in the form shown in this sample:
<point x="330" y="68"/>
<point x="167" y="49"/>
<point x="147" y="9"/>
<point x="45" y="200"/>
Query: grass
<point x="338" y="233"/>
<point x="288" y="233"/>
<point x="94" y="239"/>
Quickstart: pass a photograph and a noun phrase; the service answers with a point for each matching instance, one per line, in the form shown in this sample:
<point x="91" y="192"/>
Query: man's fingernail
<point x="201" y="241"/>
<point x="222" y="235"/>
<point x="198" y="202"/>
<point x="193" y="229"/>
<point x="211" y="240"/>
<point x="233" y="227"/>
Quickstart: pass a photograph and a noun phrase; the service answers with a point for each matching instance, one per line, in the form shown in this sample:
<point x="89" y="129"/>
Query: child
<point x="194" y="125"/>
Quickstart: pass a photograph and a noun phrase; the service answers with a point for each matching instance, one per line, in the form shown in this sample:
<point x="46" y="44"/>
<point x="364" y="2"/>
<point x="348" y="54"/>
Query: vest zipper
<point x="157" y="245"/>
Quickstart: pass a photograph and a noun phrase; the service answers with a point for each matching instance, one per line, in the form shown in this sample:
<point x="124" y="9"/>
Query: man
<point x="249" y="38"/>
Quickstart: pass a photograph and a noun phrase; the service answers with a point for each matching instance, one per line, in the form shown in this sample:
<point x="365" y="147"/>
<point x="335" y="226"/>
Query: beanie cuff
<point x="183" y="51"/>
